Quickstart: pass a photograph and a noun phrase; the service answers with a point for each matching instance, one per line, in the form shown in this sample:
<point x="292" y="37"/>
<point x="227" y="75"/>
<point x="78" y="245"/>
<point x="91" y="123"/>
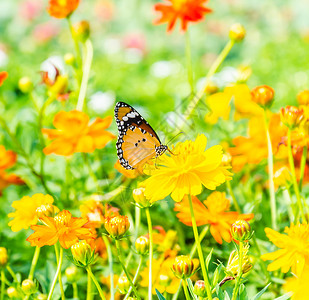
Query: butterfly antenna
<point x="181" y="132"/>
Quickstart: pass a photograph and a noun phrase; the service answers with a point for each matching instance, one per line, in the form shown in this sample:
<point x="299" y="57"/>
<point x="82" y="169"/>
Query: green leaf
<point x="260" y="293"/>
<point x="208" y="258"/>
<point x="160" y="296"/>
<point x="226" y="296"/>
<point x="243" y="292"/>
<point x="190" y="286"/>
<point x="216" y="275"/>
<point x="284" y="297"/>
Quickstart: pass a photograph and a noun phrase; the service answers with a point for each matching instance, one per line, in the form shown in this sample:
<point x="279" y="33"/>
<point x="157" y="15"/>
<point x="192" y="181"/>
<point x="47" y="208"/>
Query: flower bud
<point x="82" y="253"/>
<point x="291" y="116"/>
<point x="3" y="257"/>
<point x="82" y="30"/>
<point x="183" y="267"/>
<point x="200" y="289"/>
<point x="232" y="265"/>
<point x="140" y="199"/>
<point x="282" y="177"/>
<point x="41" y="297"/>
<point x="25" y="85"/>
<point x="244" y="72"/>
<point x="72" y="273"/>
<point x="303" y="97"/>
<point x="123" y="284"/>
<point x="12" y="293"/>
<point x="60" y="86"/>
<point x="69" y="59"/>
<point x="211" y="88"/>
<point x="241" y="231"/>
<point x="164" y="280"/>
<point x="237" y="32"/>
<point x="142" y="245"/>
<point x="226" y="160"/>
<point x="28" y="287"/>
<point x="48" y="210"/>
<point x="117" y="226"/>
<point x="263" y="95"/>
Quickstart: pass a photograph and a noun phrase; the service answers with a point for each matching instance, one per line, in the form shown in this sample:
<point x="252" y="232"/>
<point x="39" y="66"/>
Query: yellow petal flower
<point x="187" y="171"/>
<point x="295" y="249"/>
<point x="25" y="211"/>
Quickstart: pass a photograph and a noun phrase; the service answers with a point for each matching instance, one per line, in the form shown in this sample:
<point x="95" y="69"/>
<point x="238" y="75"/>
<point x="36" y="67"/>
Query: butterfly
<point x="137" y="141"/>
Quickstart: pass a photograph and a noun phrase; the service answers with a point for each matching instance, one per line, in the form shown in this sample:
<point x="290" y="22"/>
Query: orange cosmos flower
<point x="61" y="9"/>
<point x="253" y="149"/>
<point x="3" y="75"/>
<point x="9" y="179"/>
<point x="96" y="212"/>
<point x="73" y="134"/>
<point x="184" y="10"/>
<point x="7" y="158"/>
<point x="63" y="228"/>
<point x="214" y="211"/>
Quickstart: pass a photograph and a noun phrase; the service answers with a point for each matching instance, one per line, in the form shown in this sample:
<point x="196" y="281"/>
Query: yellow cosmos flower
<point x="220" y="104"/>
<point x="294" y="252"/>
<point x="25" y="211"/>
<point x="298" y="285"/>
<point x="186" y="171"/>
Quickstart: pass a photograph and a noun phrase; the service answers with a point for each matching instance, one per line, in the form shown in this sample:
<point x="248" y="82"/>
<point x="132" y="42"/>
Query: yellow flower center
<point x="62" y="219"/>
<point x="62" y="2"/>
<point x="177" y="4"/>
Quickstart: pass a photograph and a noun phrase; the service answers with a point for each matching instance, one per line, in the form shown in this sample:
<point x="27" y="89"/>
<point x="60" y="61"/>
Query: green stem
<point x="185" y="289"/>
<point x="302" y="167"/>
<point x="235" y="202"/>
<point x="135" y="277"/>
<point x="266" y="273"/>
<point x="199" y="250"/>
<point x="137" y="221"/>
<point x="89" y="287"/>
<point x="295" y="185"/>
<point x="192" y="252"/>
<point x="125" y="269"/>
<point x="88" y="51"/>
<point x="96" y="283"/>
<point x="51" y="291"/>
<point x="271" y="176"/>
<point x="237" y="282"/>
<point x="60" y="275"/>
<point x="23" y="153"/>
<point x="150" y="252"/>
<point x="289" y="204"/>
<point x="189" y="62"/>
<point x="110" y="264"/>
<point x="90" y="171"/>
<point x="2" y="284"/>
<point x="12" y="274"/>
<point x="34" y="262"/>
<point x="75" y="290"/>
<point x="213" y="69"/>
<point x="77" y="50"/>
<point x="41" y="137"/>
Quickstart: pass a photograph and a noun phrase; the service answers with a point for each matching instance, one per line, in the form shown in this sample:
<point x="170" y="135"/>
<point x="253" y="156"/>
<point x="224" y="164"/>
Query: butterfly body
<point x="137" y="141"/>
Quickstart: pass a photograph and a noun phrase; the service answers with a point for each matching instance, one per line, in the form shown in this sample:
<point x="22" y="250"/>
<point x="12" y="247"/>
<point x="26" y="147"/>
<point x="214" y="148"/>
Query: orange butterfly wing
<point x="137" y="141"/>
